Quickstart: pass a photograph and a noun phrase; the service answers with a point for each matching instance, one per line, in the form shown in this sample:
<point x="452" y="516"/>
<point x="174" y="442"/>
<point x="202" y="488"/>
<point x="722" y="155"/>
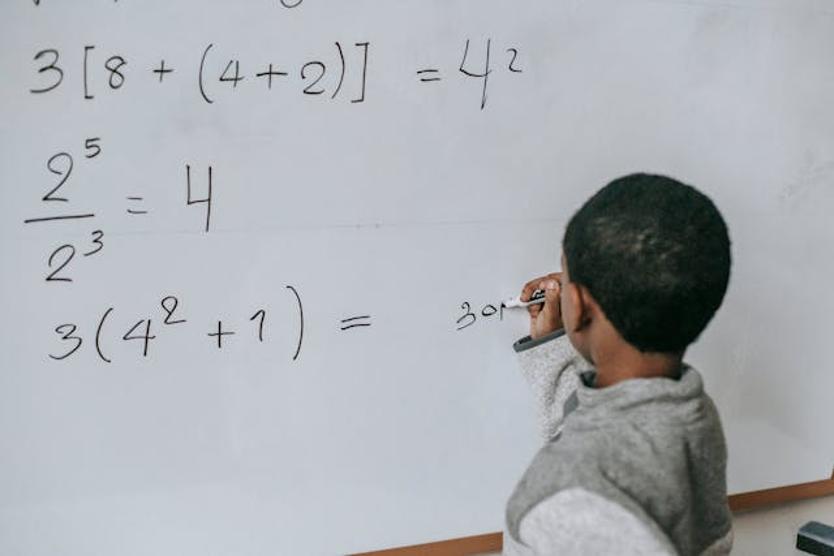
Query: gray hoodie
<point x="634" y="468"/>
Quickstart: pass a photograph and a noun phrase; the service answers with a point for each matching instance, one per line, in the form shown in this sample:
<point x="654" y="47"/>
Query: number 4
<point x="234" y="79"/>
<point x="207" y="200"/>
<point x="146" y="337"/>
<point x="484" y="75"/>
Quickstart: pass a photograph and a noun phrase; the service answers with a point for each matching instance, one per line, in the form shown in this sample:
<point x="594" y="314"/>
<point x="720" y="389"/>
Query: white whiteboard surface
<point x="393" y="196"/>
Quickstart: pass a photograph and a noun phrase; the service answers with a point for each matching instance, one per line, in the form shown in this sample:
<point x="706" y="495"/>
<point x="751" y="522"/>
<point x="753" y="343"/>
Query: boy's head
<point x="654" y="256"/>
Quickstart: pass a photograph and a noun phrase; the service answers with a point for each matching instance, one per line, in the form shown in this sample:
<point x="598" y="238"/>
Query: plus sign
<point x="219" y="334"/>
<point x="162" y="70"/>
<point x="269" y="74"/>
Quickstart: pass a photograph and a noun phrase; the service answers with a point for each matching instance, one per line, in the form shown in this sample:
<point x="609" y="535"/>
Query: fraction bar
<point x="65" y="217"/>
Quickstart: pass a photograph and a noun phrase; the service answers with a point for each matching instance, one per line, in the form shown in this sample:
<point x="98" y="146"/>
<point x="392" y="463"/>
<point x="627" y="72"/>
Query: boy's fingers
<point x="543" y="316"/>
<point x="529" y="288"/>
<point x="551" y="291"/>
<point x="537" y="284"/>
<point x="551" y="308"/>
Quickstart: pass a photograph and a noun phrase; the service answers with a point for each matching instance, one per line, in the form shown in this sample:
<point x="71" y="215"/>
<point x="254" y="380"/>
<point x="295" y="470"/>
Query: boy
<point x="634" y="460"/>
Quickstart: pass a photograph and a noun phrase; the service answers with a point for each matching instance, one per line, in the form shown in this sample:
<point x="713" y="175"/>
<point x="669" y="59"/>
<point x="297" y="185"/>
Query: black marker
<point x="537" y="298"/>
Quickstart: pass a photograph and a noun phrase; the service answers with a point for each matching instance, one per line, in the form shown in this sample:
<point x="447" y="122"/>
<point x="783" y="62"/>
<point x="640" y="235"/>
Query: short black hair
<point x="655" y="254"/>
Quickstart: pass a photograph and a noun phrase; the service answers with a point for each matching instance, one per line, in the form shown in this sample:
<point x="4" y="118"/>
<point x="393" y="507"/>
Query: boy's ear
<point x="582" y="303"/>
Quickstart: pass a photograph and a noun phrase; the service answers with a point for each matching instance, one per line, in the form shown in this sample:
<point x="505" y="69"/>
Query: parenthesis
<point x="202" y="65"/>
<point x="342" y="74"/>
<point x="98" y="335"/>
<point x="301" y="322"/>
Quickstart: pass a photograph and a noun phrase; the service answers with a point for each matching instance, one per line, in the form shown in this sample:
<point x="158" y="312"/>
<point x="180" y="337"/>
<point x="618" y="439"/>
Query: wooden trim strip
<point x="781" y="495"/>
<point x="492" y="542"/>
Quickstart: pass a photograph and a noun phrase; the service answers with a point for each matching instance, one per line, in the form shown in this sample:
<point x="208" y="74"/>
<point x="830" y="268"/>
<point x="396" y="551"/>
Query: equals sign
<point x="428" y="75"/>
<point x="355" y="322"/>
<point x="134" y="211"/>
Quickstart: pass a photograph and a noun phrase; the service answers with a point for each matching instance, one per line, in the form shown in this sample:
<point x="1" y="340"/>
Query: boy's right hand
<point x="544" y="317"/>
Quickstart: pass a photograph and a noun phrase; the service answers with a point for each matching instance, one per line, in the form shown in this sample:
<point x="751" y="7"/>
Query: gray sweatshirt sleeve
<point x="577" y="521"/>
<point x="551" y="366"/>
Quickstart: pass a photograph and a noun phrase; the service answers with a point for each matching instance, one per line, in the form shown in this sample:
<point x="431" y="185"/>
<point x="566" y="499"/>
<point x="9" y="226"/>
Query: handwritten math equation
<point x="57" y="205"/>
<point x="219" y="334"/>
<point x="250" y="328"/>
<point x="341" y="71"/>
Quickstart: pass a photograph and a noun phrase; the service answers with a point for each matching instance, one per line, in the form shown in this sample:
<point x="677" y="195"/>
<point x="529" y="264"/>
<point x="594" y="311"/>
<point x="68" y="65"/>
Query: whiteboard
<point x="382" y="182"/>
